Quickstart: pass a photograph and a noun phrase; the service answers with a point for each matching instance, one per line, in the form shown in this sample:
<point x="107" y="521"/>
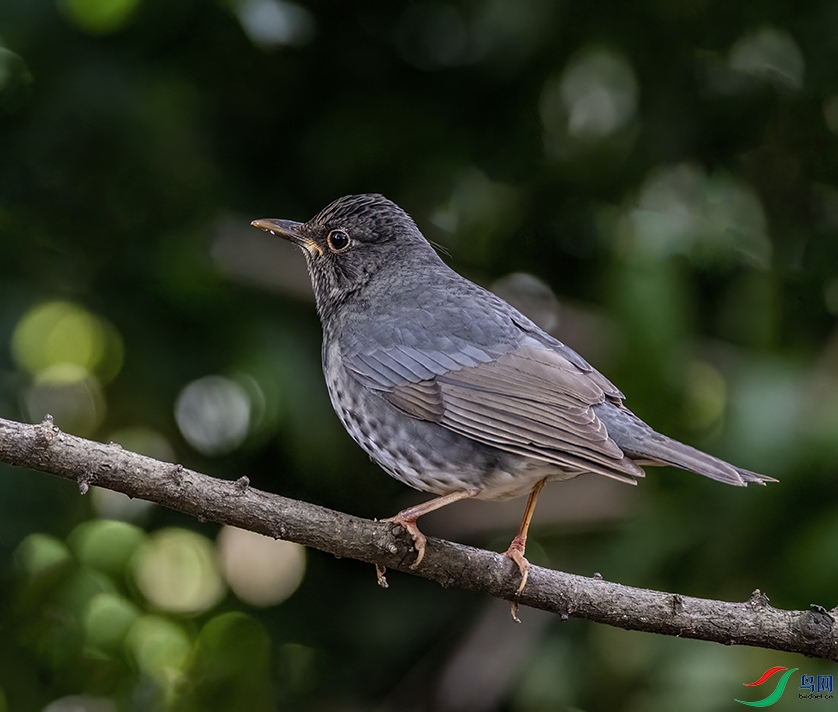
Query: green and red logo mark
<point x="819" y="686"/>
<point x="778" y="691"/>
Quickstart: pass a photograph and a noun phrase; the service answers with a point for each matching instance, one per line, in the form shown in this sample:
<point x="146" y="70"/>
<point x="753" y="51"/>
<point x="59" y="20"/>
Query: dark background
<point x="667" y="170"/>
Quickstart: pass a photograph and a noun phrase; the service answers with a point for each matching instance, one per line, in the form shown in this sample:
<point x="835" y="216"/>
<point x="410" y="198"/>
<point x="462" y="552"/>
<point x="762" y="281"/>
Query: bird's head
<point x="352" y="241"/>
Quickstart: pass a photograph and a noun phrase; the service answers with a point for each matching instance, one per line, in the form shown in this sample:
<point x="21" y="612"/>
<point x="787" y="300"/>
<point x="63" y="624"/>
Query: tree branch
<point x="44" y="447"/>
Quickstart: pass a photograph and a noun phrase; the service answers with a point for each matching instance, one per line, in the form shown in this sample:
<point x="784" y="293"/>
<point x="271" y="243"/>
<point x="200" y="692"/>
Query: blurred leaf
<point x="230" y="667"/>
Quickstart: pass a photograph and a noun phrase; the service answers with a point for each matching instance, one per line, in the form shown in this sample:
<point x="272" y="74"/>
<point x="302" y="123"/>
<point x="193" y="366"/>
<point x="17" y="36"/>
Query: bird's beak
<point x="289" y="230"/>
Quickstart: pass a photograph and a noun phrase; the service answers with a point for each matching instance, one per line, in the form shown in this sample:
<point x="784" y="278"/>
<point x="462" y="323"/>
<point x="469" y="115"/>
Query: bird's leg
<point x="519" y="544"/>
<point x="407" y="518"/>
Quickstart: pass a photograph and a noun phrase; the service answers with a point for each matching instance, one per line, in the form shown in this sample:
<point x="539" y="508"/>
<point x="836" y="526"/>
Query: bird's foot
<point x="407" y="518"/>
<point x="516" y="553"/>
<point x="408" y="523"/>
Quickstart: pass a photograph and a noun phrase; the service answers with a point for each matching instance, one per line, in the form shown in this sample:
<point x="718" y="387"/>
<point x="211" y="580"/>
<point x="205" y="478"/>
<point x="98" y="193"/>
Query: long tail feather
<point x="648" y="447"/>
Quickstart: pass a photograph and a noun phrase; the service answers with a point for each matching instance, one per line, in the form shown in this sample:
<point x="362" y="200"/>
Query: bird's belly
<point x="520" y="476"/>
<point x="428" y="456"/>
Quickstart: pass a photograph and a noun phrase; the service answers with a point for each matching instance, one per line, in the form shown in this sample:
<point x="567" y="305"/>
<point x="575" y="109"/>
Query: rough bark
<point x="754" y="622"/>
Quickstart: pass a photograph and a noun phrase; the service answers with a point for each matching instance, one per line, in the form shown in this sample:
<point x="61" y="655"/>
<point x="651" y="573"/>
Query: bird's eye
<point x="338" y="240"/>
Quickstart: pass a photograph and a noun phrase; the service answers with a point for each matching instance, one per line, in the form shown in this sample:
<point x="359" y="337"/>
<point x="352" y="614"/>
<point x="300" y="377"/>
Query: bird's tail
<point x="661" y="450"/>
<point x="648" y="447"/>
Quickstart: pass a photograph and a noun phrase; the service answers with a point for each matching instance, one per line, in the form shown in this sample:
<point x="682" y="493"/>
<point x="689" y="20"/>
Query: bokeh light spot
<point x="177" y="570"/>
<point x="77" y="404"/>
<point x="770" y="54"/>
<point x="272" y="23"/>
<point x="82" y="586"/>
<point x="38" y="554"/>
<point x="599" y="92"/>
<point x="105" y="545"/>
<point x="99" y="17"/>
<point x="81" y="703"/>
<point x="213" y="413"/>
<point x="62" y="333"/>
<point x="231" y="644"/>
<point x="106" y="623"/>
<point x="594" y="98"/>
<point x="710" y="218"/>
<point x="260" y="570"/>
<point x="160" y="647"/>
<point x="57" y="333"/>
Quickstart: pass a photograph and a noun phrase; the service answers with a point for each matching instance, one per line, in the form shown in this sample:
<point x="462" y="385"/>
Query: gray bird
<point x="452" y="390"/>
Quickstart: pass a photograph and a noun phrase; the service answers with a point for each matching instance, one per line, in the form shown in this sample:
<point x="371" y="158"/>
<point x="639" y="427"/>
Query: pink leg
<point x="407" y="518"/>
<point x="519" y="543"/>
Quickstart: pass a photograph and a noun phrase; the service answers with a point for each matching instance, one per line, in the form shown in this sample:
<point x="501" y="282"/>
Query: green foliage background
<point x="667" y="168"/>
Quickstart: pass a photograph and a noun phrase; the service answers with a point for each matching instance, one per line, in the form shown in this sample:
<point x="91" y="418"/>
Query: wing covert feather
<point x="531" y="401"/>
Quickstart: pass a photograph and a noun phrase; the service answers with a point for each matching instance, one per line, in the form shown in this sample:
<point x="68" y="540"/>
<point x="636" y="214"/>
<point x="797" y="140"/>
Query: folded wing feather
<point x="531" y="401"/>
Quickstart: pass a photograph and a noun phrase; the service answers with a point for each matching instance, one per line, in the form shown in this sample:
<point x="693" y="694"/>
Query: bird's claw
<point x="419" y="540"/>
<point x="516" y="553"/>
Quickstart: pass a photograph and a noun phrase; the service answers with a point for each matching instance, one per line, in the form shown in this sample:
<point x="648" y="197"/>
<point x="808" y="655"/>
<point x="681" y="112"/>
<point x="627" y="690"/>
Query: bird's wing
<point x="531" y="400"/>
